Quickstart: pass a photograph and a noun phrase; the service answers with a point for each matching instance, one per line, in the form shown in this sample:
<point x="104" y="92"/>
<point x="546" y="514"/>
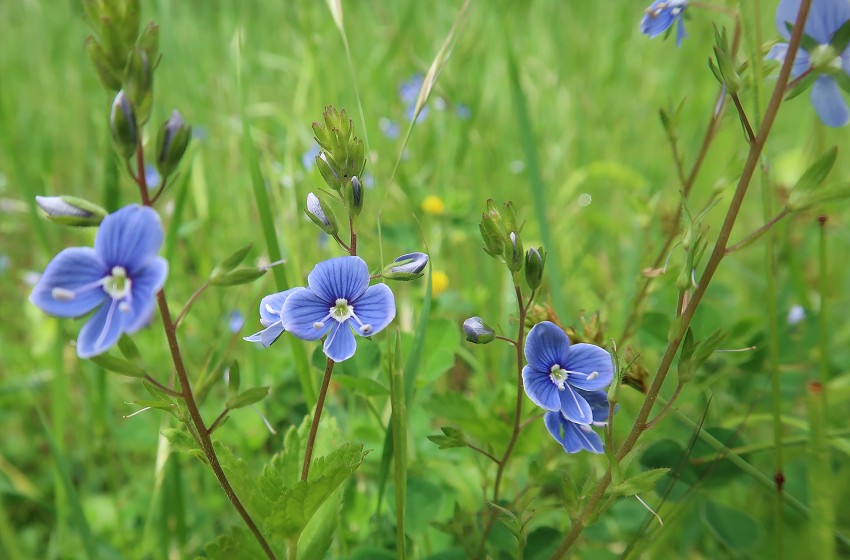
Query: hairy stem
<point x="317" y="415"/>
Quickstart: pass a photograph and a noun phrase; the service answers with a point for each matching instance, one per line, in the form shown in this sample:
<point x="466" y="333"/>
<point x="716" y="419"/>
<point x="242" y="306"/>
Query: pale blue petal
<point x="129" y="238"/>
<point x="342" y="277"/>
<point x="598" y="401"/>
<point x="376" y="307"/>
<point x="572" y="437"/>
<point x="786" y="13"/>
<point x="101" y="332"/>
<point x="340" y="343"/>
<point x="828" y="103"/>
<point x="545" y="346"/>
<point x="272" y="305"/>
<point x="825" y="17"/>
<point x="680" y="31"/>
<point x="146" y="283"/>
<point x="574" y="406"/>
<point x="301" y="310"/>
<point x="801" y="63"/>
<point x="71" y="269"/>
<point x="587" y="359"/>
<point x="656" y="25"/>
<point x="267" y="336"/>
<point x="540" y="389"/>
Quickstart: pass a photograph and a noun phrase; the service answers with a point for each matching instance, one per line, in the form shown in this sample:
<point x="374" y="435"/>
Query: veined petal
<point x="101" y="331"/>
<point x="146" y="283"/>
<point x="342" y="277"/>
<point x="574" y="407"/>
<point x="340" y="343"/>
<point x="654" y="25"/>
<point x="540" y="389"/>
<point x="825" y="17"/>
<point x="272" y="305"/>
<point x="376" y="308"/>
<point x="545" y="346"/>
<point x="828" y="103"/>
<point x="589" y="359"/>
<point x="572" y="437"/>
<point x="70" y="270"/>
<point x="598" y="401"/>
<point x="267" y="336"/>
<point x="302" y="310"/>
<point x="129" y="238"/>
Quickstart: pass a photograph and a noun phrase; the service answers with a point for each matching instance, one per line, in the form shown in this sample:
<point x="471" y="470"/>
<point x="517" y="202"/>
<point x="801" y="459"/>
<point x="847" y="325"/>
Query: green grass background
<point x="593" y="85"/>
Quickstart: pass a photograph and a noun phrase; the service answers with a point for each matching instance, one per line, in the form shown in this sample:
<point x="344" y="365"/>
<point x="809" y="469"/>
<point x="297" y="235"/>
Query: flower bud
<point x="494" y="238"/>
<point x="122" y="123"/>
<point x="354" y="196"/>
<point x="477" y="331"/>
<point x="406" y="267"/>
<point x="513" y="252"/>
<point x="321" y="214"/>
<point x="71" y="211"/>
<point x="139" y="84"/>
<point x="329" y="173"/>
<point x="534" y="261"/>
<point x="171" y="143"/>
<point x="509" y="217"/>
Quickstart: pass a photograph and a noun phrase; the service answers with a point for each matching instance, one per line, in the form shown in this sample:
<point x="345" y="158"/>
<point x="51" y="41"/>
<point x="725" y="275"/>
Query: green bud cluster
<point x="723" y="66"/>
<point x="343" y="155"/>
<point x="501" y="233"/>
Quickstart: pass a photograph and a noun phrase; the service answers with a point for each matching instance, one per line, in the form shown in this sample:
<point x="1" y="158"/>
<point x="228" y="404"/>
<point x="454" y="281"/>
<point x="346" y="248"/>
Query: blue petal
<point x="540" y="389"/>
<point x="376" y="307"/>
<point x="267" y="336"/>
<point x="786" y="12"/>
<point x="146" y="283"/>
<point x="340" y="344"/>
<point x="680" y="31"/>
<point x="301" y="310"/>
<point x="825" y="17"/>
<point x="828" y="103"/>
<point x="574" y="406"/>
<point x="587" y="359"/>
<point x="801" y="63"/>
<point x="129" y="238"/>
<point x="572" y="437"/>
<point x="272" y="305"/>
<point x="101" y="332"/>
<point x="654" y="25"/>
<point x="71" y="269"/>
<point x="342" y="277"/>
<point x="598" y="401"/>
<point x="545" y="346"/>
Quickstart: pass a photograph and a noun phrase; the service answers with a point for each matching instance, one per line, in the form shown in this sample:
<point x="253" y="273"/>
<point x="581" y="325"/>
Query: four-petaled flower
<point x="825" y="18"/>
<point x="574" y="436"/>
<point x="120" y="276"/>
<point x="338" y="302"/>
<point x="661" y="15"/>
<point x="557" y="373"/>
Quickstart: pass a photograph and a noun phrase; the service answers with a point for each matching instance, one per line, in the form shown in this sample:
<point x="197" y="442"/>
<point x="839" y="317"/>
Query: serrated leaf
<point x="180" y="440"/>
<point x="298" y="504"/>
<point x="641" y="482"/>
<point x="118" y="365"/>
<point x="452" y="437"/>
<point x="247" y="397"/>
<point x="238" y="276"/>
<point x="232" y="261"/>
<point x="236" y="544"/>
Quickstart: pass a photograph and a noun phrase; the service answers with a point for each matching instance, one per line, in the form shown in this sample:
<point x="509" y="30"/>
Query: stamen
<point x="558" y="376"/>
<point x="63" y="294"/>
<point x="593" y="376"/>
<point x="125" y="307"/>
<point x="366" y="329"/>
<point x="318" y="325"/>
<point x="272" y="311"/>
<point x="106" y="323"/>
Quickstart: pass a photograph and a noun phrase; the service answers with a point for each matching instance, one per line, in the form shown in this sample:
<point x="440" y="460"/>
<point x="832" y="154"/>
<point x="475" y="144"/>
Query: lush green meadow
<point x="553" y="105"/>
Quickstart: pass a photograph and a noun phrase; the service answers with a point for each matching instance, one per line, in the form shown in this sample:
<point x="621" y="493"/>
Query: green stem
<point x="314" y="426"/>
<point x="759" y="232"/>
<point x="189" y="303"/>
<point x="714" y="260"/>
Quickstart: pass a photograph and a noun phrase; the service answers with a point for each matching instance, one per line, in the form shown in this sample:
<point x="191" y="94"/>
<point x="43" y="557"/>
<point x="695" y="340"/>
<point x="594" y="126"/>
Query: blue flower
<point x="270" y="317"/>
<point x="308" y="158"/>
<point x="661" y="15"/>
<point x="557" y="373"/>
<point x="573" y="436"/>
<point x="338" y="303"/>
<point x="825" y="18"/>
<point x="390" y="128"/>
<point x="152" y="176"/>
<point x="409" y="93"/>
<point x="119" y="277"/>
<point x="235" y="321"/>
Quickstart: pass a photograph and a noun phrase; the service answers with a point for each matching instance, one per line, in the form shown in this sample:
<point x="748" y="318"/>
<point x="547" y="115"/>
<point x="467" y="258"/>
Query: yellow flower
<point x="433" y="205"/>
<point x="439" y="282"/>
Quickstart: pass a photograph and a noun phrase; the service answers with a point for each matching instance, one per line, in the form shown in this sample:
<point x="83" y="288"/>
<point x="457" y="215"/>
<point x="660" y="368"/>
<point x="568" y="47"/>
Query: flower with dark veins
<point x="270" y="317"/>
<point x="661" y="15"/>
<point x="575" y="437"/>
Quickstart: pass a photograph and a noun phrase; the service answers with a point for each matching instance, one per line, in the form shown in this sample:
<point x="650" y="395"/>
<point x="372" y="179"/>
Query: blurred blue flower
<point x="120" y="276"/>
<point x="463" y="111"/>
<point x="235" y="321"/>
<point x="270" y="317"/>
<point x="825" y="18"/>
<point x="661" y="15"/>
<point x="409" y="92"/>
<point x="338" y="302"/>
<point x="573" y="436"/>
<point x="557" y="373"/>
<point x="390" y="128"/>
<point x="308" y="159"/>
<point x="152" y="177"/>
<point x="5" y="263"/>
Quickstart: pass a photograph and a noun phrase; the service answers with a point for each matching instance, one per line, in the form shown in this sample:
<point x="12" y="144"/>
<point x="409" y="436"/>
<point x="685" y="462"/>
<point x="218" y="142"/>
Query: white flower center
<point x="117" y="285"/>
<point x="559" y="376"/>
<point x="341" y="312"/>
<point x="825" y="59"/>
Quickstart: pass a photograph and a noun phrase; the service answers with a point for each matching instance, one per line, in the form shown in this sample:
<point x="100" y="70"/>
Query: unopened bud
<point x="477" y="331"/>
<point x="406" y="267"/>
<point x="139" y="84"/>
<point x="122" y="123"/>
<point x="171" y="143"/>
<point x="509" y="221"/>
<point x="321" y="214"/>
<point x="354" y="196"/>
<point x="329" y="173"/>
<point x="70" y="210"/>
<point x="494" y="238"/>
<point x="534" y="261"/>
<point x="513" y="252"/>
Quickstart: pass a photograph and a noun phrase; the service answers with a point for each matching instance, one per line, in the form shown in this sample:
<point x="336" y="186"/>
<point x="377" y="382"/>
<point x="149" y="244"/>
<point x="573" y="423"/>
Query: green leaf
<point x="232" y="261"/>
<point x="236" y="544"/>
<point x="826" y="194"/>
<point x="181" y="441"/>
<point x="298" y="504"/>
<point x="510" y="520"/>
<point x="239" y="276"/>
<point x="118" y="365"/>
<point x="811" y="180"/>
<point x="641" y="482"/>
<point x="247" y="397"/>
<point x="362" y="385"/>
<point x="317" y="536"/>
<point x="233" y="378"/>
<point x="734" y="528"/>
<point x="129" y="350"/>
<point x="452" y="437"/>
